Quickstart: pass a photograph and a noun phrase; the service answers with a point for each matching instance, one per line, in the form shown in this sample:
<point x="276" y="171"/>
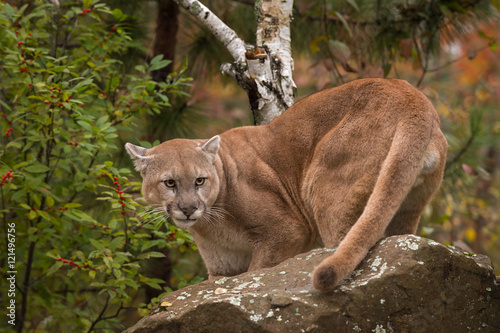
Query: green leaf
<point x="156" y="254"/>
<point x="140" y="68"/>
<point x="157" y="59"/>
<point x="72" y="205"/>
<point x="153" y="284"/>
<point x="132" y="283"/>
<point x="72" y="216"/>
<point x="143" y="256"/>
<point x="353" y="4"/>
<point x="83" y="83"/>
<point x="14" y="144"/>
<point x="32" y="215"/>
<point x="344" y="22"/>
<point x="5" y="105"/>
<point x="54" y="268"/>
<point x="163" y="97"/>
<point x="19" y="165"/>
<point x="108" y="261"/>
<point x="85" y="125"/>
<point x="113" y="245"/>
<point x="98" y="245"/>
<point x="159" y="65"/>
<point x="339" y="50"/>
<point x="117" y="13"/>
<point x="25" y="206"/>
<point x="37" y="168"/>
<point x="100" y="122"/>
<point x="112" y="293"/>
<point x="9" y="11"/>
<point x="51" y="255"/>
<point x="43" y="215"/>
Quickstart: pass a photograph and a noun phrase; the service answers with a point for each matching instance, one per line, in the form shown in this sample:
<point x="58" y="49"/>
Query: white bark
<point x="264" y="71"/>
<point x="273" y="31"/>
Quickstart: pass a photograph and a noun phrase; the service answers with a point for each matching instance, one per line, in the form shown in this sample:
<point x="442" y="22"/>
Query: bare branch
<point x="462" y="150"/>
<point x="99" y="318"/>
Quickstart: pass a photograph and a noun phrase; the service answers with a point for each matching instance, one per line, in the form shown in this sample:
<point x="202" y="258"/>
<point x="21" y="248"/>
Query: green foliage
<point x="465" y="211"/>
<point x="384" y="32"/>
<point x="81" y="229"/>
<point x="349" y="35"/>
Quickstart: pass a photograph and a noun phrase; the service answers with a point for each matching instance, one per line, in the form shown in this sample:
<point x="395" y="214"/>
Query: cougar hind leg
<point x="407" y="218"/>
<point x="337" y="218"/>
<point x="398" y="174"/>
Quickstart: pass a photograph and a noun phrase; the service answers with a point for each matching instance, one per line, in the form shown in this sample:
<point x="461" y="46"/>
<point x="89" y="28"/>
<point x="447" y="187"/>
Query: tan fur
<point x="340" y="168"/>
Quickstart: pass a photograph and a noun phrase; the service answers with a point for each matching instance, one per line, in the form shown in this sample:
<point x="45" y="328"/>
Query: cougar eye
<point x="199" y="181"/>
<point x="169" y="183"/>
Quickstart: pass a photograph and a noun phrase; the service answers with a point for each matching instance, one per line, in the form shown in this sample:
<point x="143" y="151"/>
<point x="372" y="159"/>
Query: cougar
<point x="339" y="169"/>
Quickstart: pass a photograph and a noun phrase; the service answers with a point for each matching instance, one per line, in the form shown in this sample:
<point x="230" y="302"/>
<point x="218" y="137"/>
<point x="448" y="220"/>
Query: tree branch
<point x="221" y="31"/>
<point x="118" y="312"/>
<point x="26" y="287"/>
<point x="263" y="71"/>
<point x="462" y="151"/>
<point x="100" y="317"/>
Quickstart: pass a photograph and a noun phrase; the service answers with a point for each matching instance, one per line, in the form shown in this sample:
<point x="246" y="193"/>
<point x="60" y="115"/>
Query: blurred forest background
<point x="78" y="79"/>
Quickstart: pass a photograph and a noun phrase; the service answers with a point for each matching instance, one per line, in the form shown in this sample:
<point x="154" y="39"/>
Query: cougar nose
<point x="188" y="211"/>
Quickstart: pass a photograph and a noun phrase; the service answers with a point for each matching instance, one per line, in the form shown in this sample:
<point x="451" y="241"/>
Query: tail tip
<point x="324" y="278"/>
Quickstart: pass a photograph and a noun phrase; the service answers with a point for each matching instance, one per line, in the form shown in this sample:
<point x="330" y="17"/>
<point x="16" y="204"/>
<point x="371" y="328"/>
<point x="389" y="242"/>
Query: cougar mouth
<point x="181" y="220"/>
<point x="184" y="223"/>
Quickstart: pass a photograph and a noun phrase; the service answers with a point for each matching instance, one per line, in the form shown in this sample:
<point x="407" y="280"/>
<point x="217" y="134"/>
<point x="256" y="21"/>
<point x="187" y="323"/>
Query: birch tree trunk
<point x="264" y="70"/>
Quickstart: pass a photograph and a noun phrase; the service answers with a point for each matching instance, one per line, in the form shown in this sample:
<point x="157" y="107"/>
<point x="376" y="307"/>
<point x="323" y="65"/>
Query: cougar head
<point x="179" y="177"/>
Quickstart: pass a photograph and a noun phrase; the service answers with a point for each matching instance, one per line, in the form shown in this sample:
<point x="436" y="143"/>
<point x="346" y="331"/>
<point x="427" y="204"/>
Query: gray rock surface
<point x="405" y="284"/>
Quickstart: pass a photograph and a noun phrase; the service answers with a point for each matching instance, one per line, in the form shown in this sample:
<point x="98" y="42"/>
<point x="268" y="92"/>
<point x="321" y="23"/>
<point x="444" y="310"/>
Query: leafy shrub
<point x="73" y="224"/>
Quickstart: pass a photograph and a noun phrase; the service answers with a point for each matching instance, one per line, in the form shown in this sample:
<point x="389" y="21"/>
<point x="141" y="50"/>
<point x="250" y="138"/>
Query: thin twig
<point x="99" y="318"/>
<point x="443" y="66"/>
<point x="462" y="151"/>
<point x="117" y="312"/>
<point x="425" y="64"/>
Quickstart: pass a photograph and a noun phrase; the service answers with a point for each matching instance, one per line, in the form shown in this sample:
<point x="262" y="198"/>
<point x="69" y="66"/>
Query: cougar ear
<point x="211" y="147"/>
<point x="138" y="154"/>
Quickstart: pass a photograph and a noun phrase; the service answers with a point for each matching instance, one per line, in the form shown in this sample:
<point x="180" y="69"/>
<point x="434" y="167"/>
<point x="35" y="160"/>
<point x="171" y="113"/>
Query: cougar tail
<point x="398" y="174"/>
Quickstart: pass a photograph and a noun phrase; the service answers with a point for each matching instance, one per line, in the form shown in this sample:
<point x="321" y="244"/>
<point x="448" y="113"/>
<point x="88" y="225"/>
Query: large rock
<point x="405" y="284"/>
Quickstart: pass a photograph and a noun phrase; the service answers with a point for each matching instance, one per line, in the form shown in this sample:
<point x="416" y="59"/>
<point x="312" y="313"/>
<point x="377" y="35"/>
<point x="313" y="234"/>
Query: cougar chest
<point x="225" y="251"/>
